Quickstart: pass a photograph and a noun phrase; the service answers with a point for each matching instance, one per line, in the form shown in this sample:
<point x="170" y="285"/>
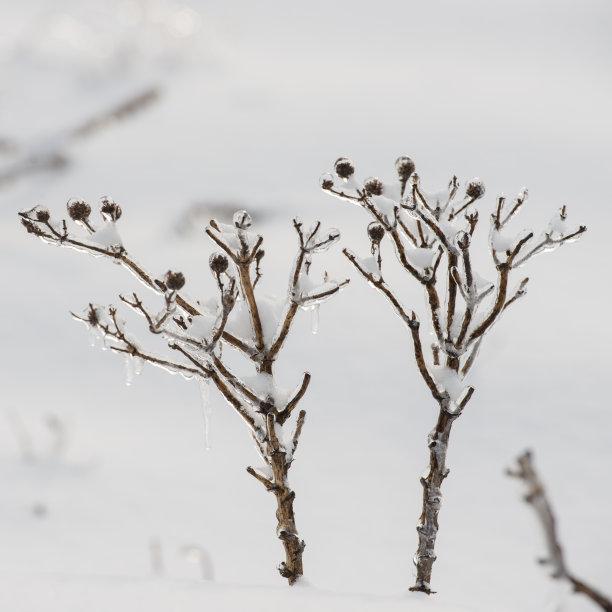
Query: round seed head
<point x="326" y="181"/>
<point x="218" y="263"/>
<point x="475" y="189"/>
<point x="78" y="210"/>
<point x="175" y="281"/>
<point x="42" y="214"/>
<point x="344" y="168"/>
<point x="376" y="232"/>
<point x="111" y="211"/>
<point x="373" y="186"/>
<point x="242" y="220"/>
<point x="405" y="167"/>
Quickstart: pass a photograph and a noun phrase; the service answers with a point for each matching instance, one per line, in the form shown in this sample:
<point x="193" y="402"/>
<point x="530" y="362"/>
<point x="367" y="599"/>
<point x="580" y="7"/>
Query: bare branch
<point x="270" y="486"/>
<point x="293" y="402"/>
<point x="520" y="292"/>
<point x="548" y="241"/>
<point x="297" y="433"/>
<point x="420" y="359"/>
<point x="220" y="243"/>
<point x="380" y="285"/>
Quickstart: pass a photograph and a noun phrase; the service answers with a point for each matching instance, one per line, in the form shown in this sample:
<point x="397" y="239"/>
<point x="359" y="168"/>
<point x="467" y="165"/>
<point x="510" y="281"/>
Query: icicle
<point x="93" y="335"/>
<point x="205" y="399"/>
<point x="129" y="370"/>
<point x="315" y="319"/>
<point x="138" y="366"/>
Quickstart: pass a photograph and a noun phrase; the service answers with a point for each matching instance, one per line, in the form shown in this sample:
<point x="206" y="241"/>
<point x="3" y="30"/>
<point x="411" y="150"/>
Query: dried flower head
<point x="242" y="220"/>
<point x="42" y="214"/>
<point x="344" y="168"/>
<point x="373" y="186"/>
<point x="92" y="317"/>
<point x="111" y="211"/>
<point x="376" y="232"/>
<point x="475" y="189"/>
<point x="175" y="281"/>
<point x="218" y="263"/>
<point x="326" y="181"/>
<point x="78" y="210"/>
<point x="405" y="167"/>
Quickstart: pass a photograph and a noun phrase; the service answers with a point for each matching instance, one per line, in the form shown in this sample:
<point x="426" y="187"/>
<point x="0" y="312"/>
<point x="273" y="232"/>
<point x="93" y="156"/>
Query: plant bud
<point x="463" y="240"/>
<point x="110" y="210"/>
<point x="344" y="168"/>
<point x="326" y="181"/>
<point x="42" y="214"/>
<point x="175" y="281"/>
<point x="405" y="167"/>
<point x="242" y="220"/>
<point x="376" y="232"/>
<point x="373" y="186"/>
<point x="475" y="189"/>
<point x="218" y="263"/>
<point x="78" y="210"/>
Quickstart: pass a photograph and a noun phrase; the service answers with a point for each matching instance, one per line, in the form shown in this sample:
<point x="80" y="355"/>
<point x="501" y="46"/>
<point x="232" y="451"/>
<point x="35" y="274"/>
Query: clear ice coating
<point x="129" y="370"/>
<point x="204" y="384"/>
<point x="242" y="219"/>
<point x="315" y="319"/>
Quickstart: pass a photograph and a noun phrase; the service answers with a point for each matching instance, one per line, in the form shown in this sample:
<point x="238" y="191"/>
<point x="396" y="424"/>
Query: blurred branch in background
<point x="536" y="497"/>
<point x="53" y="155"/>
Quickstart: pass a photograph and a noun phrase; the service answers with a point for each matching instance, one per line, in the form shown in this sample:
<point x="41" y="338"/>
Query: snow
<point x="449" y="381"/>
<point x="238" y="122"/>
<point x="421" y="258"/>
<point x="106" y="236"/>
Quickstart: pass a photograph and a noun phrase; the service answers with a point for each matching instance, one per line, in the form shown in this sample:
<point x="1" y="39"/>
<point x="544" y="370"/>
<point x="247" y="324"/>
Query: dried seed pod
<point x="376" y="232"/>
<point x="42" y="214"/>
<point x="175" y="281"/>
<point x="344" y="168"/>
<point x="78" y="210"/>
<point x="92" y="317"/>
<point x="218" y="263"/>
<point x="373" y="186"/>
<point x="242" y="220"/>
<point x="326" y="181"/>
<point x="475" y="189"/>
<point x="405" y="167"/>
<point x="110" y="210"/>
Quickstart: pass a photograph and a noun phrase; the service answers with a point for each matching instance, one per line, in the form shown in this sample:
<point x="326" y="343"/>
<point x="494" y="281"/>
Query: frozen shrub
<point x="255" y="326"/>
<point x="432" y="236"/>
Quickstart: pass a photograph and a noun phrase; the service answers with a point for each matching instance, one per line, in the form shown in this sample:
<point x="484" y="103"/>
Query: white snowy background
<point x="257" y="99"/>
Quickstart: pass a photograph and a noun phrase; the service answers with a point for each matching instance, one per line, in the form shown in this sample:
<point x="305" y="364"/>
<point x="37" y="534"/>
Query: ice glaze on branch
<point x="425" y="229"/>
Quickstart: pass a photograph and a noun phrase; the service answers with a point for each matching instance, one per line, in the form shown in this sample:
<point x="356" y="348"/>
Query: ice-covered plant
<point x="432" y="236"/>
<point x="254" y="325"/>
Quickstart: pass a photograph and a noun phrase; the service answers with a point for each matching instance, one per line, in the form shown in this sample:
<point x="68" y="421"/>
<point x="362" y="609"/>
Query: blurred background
<point x="183" y="111"/>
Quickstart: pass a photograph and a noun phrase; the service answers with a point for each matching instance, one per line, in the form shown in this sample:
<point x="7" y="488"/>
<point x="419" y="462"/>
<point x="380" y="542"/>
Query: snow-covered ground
<point x="108" y="497"/>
